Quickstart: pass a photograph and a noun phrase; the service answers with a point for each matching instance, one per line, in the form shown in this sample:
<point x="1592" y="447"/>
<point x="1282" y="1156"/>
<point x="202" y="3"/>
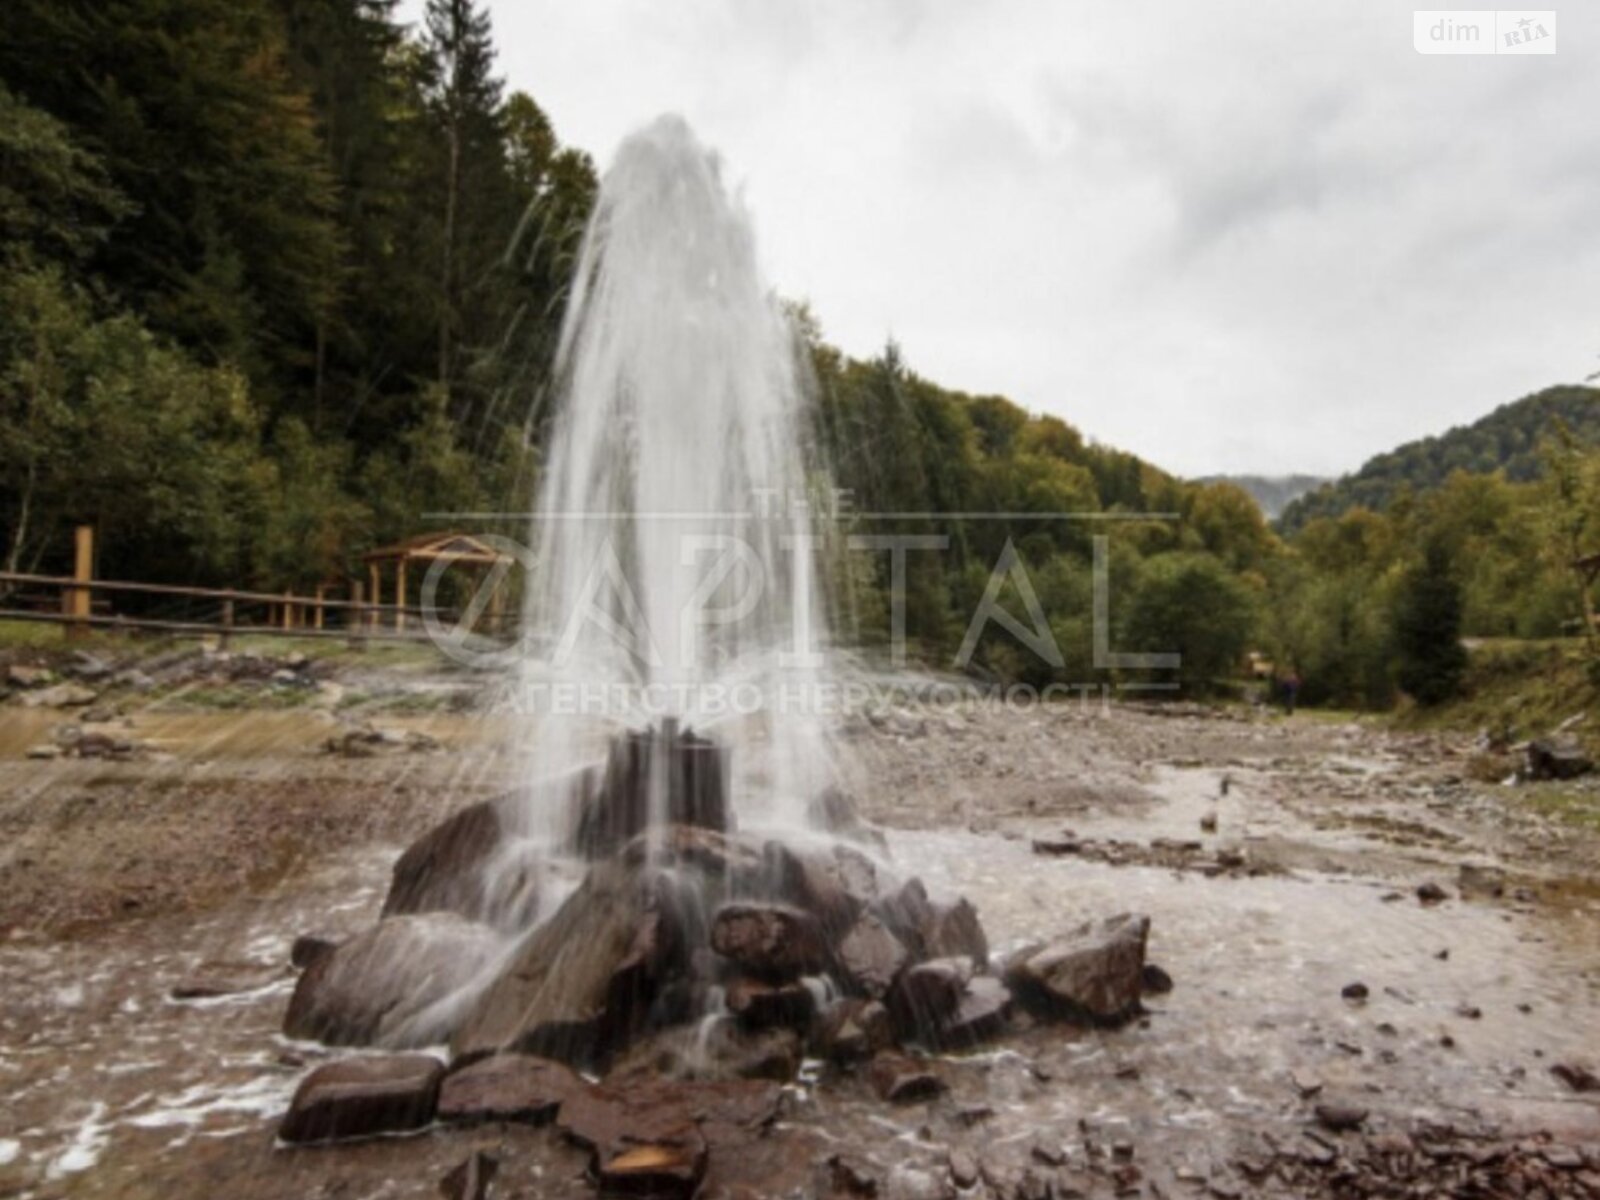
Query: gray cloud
<point x="1228" y="236"/>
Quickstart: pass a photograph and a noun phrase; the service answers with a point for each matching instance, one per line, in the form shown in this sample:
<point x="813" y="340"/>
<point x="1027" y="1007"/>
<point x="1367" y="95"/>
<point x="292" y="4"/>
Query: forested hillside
<point x="1508" y="440"/>
<point x="278" y="277"/>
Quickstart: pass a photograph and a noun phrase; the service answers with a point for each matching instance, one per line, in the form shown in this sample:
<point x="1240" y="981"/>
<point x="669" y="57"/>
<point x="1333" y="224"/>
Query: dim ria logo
<point x="1484" y="31"/>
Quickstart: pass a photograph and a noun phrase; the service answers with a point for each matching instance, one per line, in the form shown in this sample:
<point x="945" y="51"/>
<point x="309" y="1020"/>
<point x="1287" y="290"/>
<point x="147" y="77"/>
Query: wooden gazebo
<point x="428" y="548"/>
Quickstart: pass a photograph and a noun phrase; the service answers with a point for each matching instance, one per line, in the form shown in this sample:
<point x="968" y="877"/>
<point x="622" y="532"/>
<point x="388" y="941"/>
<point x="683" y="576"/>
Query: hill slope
<point x="1507" y="439"/>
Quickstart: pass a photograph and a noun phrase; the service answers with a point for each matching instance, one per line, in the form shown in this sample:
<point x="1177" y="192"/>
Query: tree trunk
<point x="447" y="282"/>
<point x="24" y="511"/>
<point x="321" y="372"/>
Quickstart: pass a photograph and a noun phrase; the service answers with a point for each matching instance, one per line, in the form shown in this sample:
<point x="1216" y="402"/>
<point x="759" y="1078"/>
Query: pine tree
<point x="1427" y="628"/>
<point x="465" y="100"/>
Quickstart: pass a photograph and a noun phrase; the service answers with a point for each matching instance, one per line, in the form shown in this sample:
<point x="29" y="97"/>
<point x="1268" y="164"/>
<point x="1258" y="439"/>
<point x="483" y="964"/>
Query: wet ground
<point x="1308" y="883"/>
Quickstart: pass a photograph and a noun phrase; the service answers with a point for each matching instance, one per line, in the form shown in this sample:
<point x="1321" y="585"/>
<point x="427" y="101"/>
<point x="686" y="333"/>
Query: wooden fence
<point x="82" y="603"/>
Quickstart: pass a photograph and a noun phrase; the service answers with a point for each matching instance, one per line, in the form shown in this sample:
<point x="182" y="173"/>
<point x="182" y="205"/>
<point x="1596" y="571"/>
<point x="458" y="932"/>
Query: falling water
<point x="674" y="578"/>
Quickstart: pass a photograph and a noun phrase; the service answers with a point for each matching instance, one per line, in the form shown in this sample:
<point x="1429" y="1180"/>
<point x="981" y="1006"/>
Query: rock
<point x="852" y="1030"/>
<point x="1470" y="1011"/>
<point x="1578" y="1078"/>
<point x="98" y="715"/>
<point x="583" y="982"/>
<point x="869" y="957"/>
<point x="95" y="744"/>
<point x="1208" y="823"/>
<point x="1480" y="881"/>
<point x="466" y="865"/>
<point x="44" y="751"/>
<point x="954" y="929"/>
<point x="850" y="1176"/>
<point x="1306" y="1084"/>
<point x="226" y="979"/>
<point x="309" y="947"/>
<point x="1340" y="1118"/>
<point x="760" y="1005"/>
<point x="1354" y="991"/>
<point x="834" y="884"/>
<point x="729" y="864"/>
<point x="88" y="666"/>
<point x="911" y="1183"/>
<point x="930" y="930"/>
<point x="720" y="1051"/>
<point x="389" y="985"/>
<point x="963" y="1169"/>
<point x="775" y="942"/>
<point x="1431" y="893"/>
<point x="133" y="680"/>
<point x="1094" y="972"/>
<point x="23" y="676"/>
<point x="902" y="1080"/>
<point x="1154" y="980"/>
<point x="470" y="1179"/>
<point x="837" y="812"/>
<point x="611" y="1118"/>
<point x="360" y="1097"/>
<point x="62" y="695"/>
<point x="507" y="1087"/>
<point x="1557" y="758"/>
<point x="981" y="1015"/>
<point x="927" y="994"/>
<point x="671" y="1166"/>
<point x="614" y="804"/>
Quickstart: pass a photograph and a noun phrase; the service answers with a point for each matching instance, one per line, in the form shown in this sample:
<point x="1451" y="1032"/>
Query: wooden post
<point x="287" y="612"/>
<point x="227" y="624"/>
<point x="377" y="592"/>
<point x="322" y="589"/>
<point x="497" y="606"/>
<point x="355" y="619"/>
<point x="78" y="599"/>
<point x="400" y="595"/>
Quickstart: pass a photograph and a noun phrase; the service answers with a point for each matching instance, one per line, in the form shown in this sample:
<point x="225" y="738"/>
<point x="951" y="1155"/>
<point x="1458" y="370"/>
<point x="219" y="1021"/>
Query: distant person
<point x="1291" y="691"/>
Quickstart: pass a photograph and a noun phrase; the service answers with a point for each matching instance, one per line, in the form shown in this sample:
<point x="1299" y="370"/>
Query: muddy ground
<point x="1279" y="862"/>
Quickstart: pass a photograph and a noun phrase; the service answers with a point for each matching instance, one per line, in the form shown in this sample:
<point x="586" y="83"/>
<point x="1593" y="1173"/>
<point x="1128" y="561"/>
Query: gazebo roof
<point x="456" y="546"/>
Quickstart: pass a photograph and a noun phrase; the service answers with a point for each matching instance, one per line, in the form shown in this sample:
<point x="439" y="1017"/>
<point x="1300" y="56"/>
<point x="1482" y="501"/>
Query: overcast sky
<point x="1229" y="236"/>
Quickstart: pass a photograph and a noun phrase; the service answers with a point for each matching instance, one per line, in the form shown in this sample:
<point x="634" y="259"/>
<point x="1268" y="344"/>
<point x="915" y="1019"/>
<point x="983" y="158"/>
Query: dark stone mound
<point x="614" y="807"/>
<point x="362" y="1097"/>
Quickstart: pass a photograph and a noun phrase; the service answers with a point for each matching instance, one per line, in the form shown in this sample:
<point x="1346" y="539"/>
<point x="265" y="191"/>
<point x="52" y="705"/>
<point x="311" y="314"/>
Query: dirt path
<point x="1306" y="884"/>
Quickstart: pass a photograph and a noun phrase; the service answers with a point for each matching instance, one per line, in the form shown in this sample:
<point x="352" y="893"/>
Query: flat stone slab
<point x="362" y="1097"/>
<point x="507" y="1087"/>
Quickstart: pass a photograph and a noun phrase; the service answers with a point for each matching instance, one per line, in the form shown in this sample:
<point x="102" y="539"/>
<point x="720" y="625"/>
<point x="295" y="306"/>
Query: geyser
<point x="708" y="936"/>
<point x="675" y="574"/>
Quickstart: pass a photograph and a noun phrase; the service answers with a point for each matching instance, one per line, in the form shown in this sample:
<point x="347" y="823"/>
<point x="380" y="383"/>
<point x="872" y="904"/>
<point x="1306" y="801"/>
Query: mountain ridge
<point x="1507" y="439"/>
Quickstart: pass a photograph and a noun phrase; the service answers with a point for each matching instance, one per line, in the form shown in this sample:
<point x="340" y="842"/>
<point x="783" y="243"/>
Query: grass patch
<point x="1521" y="689"/>
<point x="234" y="697"/>
<point x="1567" y="805"/>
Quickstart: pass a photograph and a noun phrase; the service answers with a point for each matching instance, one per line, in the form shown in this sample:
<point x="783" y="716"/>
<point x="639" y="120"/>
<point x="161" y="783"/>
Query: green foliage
<point x="1430" y="659"/>
<point x="1508" y="440"/>
<point x="278" y="277"/>
<point x="1192" y="604"/>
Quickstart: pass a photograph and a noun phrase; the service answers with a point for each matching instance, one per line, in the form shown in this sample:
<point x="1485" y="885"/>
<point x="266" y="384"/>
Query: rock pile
<point x="693" y="968"/>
